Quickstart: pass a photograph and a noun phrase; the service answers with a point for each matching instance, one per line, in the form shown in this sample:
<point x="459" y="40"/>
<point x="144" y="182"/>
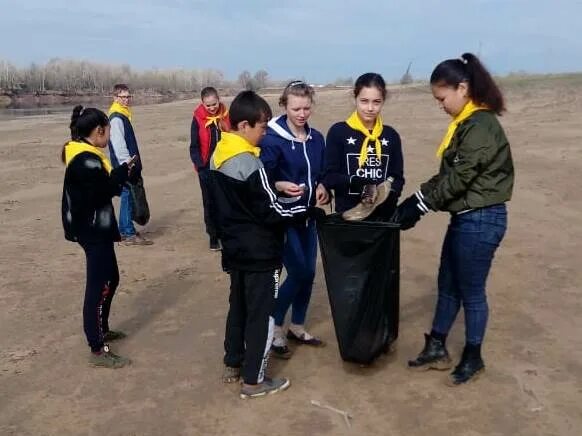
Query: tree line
<point x="74" y="76"/>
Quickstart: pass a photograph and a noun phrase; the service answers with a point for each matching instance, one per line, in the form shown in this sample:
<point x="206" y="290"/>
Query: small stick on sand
<point x="343" y="413"/>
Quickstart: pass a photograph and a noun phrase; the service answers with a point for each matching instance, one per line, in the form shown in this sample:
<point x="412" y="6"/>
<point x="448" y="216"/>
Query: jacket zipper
<point x="308" y="169"/>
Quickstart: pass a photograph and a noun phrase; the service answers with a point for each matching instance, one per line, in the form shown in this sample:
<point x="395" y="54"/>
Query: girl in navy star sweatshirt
<point x="363" y="150"/>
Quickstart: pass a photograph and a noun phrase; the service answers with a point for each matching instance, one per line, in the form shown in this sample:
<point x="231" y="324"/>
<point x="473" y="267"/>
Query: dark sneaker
<point x="113" y="335"/>
<point x="215" y="244"/>
<point x="281" y="352"/>
<point x="468" y="369"/>
<point x="135" y="240"/>
<point x="267" y="387"/>
<point x="313" y="341"/>
<point x="433" y="356"/>
<point x="108" y="359"/>
<point x="230" y="374"/>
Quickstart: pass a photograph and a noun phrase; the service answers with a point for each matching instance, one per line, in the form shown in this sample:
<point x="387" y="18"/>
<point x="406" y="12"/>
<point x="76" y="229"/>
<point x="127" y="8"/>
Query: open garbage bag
<point x="361" y="261"/>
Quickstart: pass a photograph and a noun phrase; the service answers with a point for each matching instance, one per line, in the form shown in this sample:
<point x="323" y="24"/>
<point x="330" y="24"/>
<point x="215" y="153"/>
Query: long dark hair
<point x="468" y="68"/>
<point x="370" y="80"/>
<point x="83" y="121"/>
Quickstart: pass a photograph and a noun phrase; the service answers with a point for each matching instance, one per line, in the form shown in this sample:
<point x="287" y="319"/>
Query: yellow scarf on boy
<point x="120" y="109"/>
<point x="469" y="109"/>
<point x="230" y="145"/>
<point x="73" y="148"/>
<point x="355" y="123"/>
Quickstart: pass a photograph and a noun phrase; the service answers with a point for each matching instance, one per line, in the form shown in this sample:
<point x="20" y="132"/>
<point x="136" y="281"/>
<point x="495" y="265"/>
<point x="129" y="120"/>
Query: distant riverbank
<point x="52" y="99"/>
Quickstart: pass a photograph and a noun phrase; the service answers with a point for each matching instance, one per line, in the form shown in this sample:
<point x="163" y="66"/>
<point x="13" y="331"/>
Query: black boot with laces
<point x="433" y="356"/>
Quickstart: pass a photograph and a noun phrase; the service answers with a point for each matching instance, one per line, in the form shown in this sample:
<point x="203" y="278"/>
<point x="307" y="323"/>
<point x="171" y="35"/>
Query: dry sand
<point x="172" y="299"/>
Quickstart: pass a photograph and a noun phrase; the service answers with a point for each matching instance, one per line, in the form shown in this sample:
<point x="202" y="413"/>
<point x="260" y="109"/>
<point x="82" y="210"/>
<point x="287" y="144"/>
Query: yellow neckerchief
<point x="120" y="109"/>
<point x="73" y="148"/>
<point x="214" y="120"/>
<point x="469" y="109"/>
<point x="230" y="145"/>
<point x="355" y="123"/>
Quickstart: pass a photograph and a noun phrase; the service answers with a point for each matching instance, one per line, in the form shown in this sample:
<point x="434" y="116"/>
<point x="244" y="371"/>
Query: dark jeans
<point x="468" y="250"/>
<point x="204" y="177"/>
<point x="299" y="256"/>
<point x="249" y="326"/>
<point x="102" y="281"/>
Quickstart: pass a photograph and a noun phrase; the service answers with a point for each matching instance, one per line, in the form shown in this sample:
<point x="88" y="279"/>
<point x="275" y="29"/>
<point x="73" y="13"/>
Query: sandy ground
<point x="172" y="299"/>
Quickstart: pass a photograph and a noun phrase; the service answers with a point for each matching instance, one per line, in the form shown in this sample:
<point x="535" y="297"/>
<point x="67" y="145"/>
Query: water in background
<point x="15" y="113"/>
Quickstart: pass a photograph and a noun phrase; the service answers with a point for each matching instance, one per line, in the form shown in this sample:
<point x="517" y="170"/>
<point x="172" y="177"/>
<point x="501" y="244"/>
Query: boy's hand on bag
<point x="409" y="212"/>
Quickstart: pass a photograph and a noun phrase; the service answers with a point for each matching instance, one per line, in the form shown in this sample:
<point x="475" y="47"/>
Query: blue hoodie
<point x="289" y="159"/>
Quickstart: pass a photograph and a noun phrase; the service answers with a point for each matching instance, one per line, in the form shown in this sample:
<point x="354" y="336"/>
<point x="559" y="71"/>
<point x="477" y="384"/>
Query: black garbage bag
<point x="140" y="209"/>
<point x="361" y="261"/>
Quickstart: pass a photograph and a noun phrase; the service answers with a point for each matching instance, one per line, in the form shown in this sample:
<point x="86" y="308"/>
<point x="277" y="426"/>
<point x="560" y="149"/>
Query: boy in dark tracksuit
<point x="251" y="225"/>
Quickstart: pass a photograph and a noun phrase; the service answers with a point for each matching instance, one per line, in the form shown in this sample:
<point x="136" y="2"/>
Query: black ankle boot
<point x="470" y="366"/>
<point x="433" y="356"/>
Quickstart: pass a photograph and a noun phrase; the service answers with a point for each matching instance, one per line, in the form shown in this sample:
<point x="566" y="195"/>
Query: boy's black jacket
<point x="250" y="221"/>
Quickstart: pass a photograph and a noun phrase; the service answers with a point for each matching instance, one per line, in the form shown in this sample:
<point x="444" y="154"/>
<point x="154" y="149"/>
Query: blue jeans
<point x="299" y="256"/>
<point x="467" y="253"/>
<point x="126" y="227"/>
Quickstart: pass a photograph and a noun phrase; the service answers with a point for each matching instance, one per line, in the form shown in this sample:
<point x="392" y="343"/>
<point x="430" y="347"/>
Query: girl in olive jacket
<point x="473" y="184"/>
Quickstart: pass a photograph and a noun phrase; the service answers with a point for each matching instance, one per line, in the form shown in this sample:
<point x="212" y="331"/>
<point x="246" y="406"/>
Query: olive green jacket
<point x="476" y="169"/>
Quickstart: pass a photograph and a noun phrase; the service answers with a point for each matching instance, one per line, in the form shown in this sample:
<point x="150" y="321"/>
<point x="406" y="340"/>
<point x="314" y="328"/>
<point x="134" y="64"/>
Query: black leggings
<point x="102" y="281"/>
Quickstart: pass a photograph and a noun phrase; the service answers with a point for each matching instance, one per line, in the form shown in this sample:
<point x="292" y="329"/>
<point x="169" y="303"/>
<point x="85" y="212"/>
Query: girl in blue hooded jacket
<point x="292" y="153"/>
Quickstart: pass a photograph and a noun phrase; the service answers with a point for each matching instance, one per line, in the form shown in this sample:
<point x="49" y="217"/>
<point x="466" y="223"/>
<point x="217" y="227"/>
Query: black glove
<point x="409" y="212"/>
<point x="315" y="213"/>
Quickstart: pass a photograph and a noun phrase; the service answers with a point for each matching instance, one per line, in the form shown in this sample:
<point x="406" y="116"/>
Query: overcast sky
<point x="318" y="40"/>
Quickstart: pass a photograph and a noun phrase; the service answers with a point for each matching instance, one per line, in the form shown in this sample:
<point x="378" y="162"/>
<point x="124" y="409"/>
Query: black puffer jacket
<point x="87" y="210"/>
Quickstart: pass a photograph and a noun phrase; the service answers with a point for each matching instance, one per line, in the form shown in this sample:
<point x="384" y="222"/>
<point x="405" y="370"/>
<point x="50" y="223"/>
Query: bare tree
<point x="245" y="80"/>
<point x="261" y="79"/>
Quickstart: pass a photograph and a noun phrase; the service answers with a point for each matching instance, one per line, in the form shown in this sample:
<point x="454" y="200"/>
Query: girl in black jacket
<point x="88" y="219"/>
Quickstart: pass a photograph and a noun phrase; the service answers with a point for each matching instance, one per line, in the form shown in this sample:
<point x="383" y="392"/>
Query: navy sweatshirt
<point x="289" y="159"/>
<point x="342" y="173"/>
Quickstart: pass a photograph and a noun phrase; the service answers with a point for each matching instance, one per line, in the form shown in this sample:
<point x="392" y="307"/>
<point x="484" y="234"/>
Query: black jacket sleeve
<point x="396" y="165"/>
<point x="195" y="154"/>
<point x="265" y="206"/>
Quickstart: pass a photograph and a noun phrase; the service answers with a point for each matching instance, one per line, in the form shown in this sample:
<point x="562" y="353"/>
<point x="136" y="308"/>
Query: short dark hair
<point x="207" y="92"/>
<point x="83" y="121"/>
<point x="249" y="106"/>
<point x="370" y="80"/>
<point x="468" y="68"/>
<point x="120" y="87"/>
